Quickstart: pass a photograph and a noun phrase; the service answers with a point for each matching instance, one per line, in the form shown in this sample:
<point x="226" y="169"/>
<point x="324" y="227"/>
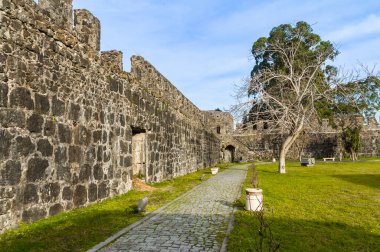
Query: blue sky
<point x="203" y="47"/>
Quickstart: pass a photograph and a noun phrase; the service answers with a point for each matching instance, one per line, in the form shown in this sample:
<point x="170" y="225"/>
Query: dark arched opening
<point x="218" y="130"/>
<point x="229" y="154"/>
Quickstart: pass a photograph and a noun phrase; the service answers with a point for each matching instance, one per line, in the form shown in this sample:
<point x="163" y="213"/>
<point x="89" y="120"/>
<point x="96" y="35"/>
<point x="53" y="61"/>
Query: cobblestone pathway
<point x="191" y="223"/>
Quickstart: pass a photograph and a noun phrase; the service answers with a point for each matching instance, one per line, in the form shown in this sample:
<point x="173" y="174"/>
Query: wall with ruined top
<point x="231" y="149"/>
<point x="68" y="114"/>
<point x="324" y="141"/>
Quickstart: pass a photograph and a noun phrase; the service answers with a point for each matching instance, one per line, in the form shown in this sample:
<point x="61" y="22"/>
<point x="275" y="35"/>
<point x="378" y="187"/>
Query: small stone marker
<point x="142" y="204"/>
<point x="203" y="177"/>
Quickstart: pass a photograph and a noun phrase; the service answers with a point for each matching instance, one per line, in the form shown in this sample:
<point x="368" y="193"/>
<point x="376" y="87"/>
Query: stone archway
<point x="139" y="152"/>
<point x="229" y="154"/>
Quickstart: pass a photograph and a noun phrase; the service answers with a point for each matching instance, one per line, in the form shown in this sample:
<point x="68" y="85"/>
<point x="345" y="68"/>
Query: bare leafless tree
<point x="291" y="83"/>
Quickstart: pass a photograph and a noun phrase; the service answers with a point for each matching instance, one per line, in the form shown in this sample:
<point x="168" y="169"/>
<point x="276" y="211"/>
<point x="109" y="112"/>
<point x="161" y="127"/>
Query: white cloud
<point x="203" y="47"/>
<point x="368" y="26"/>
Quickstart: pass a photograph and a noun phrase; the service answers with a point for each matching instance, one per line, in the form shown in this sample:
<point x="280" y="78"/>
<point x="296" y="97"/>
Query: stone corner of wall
<point x="87" y="27"/>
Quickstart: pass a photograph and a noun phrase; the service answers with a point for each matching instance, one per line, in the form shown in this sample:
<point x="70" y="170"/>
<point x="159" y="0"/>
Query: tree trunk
<point x="285" y="146"/>
<point x="354" y="156"/>
<point x="283" y="150"/>
<point x="281" y="164"/>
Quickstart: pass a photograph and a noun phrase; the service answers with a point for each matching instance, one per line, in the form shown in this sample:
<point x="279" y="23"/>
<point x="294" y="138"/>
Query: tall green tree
<point x="289" y="77"/>
<point x="352" y="141"/>
<point x="291" y="84"/>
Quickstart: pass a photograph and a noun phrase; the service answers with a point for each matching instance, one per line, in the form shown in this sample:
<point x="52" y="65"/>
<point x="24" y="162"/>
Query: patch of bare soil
<point x="141" y="186"/>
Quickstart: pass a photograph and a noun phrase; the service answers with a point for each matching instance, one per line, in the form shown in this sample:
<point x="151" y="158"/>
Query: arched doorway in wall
<point x="229" y="154"/>
<point x="139" y="152"/>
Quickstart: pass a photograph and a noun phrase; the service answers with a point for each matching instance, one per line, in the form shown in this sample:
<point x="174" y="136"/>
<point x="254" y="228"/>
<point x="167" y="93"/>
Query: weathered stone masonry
<point x="322" y="141"/>
<point x="69" y="116"/>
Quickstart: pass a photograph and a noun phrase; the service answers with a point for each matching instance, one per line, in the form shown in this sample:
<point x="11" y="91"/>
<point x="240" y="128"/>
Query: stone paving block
<point x="191" y="223"/>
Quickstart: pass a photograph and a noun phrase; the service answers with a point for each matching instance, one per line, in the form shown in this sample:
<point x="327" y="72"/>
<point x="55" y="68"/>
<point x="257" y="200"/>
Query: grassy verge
<point x="327" y="207"/>
<point x="83" y="228"/>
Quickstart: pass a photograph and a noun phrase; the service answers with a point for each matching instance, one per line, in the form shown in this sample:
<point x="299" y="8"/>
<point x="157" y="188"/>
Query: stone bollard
<point x="142" y="204"/>
<point x="214" y="170"/>
<point x="254" y="199"/>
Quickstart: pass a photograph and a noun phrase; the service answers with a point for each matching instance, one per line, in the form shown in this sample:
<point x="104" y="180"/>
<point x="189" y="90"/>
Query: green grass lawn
<point x="83" y="228"/>
<point x="327" y="207"/>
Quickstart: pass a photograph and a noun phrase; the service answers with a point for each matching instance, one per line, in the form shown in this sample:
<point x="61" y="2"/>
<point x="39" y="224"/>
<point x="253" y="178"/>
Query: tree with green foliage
<point x="291" y="84"/>
<point x="352" y="142"/>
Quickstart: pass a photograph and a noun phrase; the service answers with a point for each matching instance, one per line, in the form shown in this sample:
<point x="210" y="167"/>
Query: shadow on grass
<point x="370" y="180"/>
<point x="302" y="235"/>
<point x="65" y="234"/>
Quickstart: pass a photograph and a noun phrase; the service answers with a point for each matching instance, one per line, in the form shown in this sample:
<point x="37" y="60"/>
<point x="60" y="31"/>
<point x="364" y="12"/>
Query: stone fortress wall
<point x="322" y="141"/>
<point x="257" y="141"/>
<point x="74" y="127"/>
<point x="231" y="149"/>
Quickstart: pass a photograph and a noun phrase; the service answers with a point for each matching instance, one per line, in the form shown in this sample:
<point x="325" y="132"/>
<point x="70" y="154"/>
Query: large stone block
<point x="33" y="214"/>
<point x="64" y="133"/>
<point x="5" y="144"/>
<point x="67" y="193"/>
<point x="92" y="192"/>
<point x="55" y="209"/>
<point x="107" y="156"/>
<point x="75" y="154"/>
<point x="103" y="190"/>
<point x="85" y="173"/>
<point x="21" y="97"/>
<point x="60" y="155"/>
<point x="74" y="113"/>
<point x="49" y="128"/>
<point x="50" y="192"/>
<point x="96" y="135"/>
<point x="123" y="147"/>
<point x="122" y="120"/>
<point x="36" y="169"/>
<point x="90" y="154"/>
<point x="63" y="172"/>
<point x="58" y="106"/>
<point x="113" y="85"/>
<point x="34" y="123"/>
<point x="98" y="172"/>
<point x="80" y="195"/>
<point x="128" y="161"/>
<point x="110" y="172"/>
<point x="5" y="206"/>
<point x="104" y="137"/>
<point x="45" y="147"/>
<point x="3" y="95"/>
<point x="88" y="114"/>
<point x="82" y="136"/>
<point x="24" y="145"/>
<point x="99" y="153"/>
<point x="12" y="118"/>
<point x="11" y="174"/>
<point x="30" y="194"/>
<point x="42" y="104"/>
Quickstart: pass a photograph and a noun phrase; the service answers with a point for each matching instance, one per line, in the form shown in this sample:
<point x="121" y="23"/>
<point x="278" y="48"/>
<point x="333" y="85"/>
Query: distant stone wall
<point x="231" y="149"/>
<point x="220" y="122"/>
<point x="69" y="116"/>
<point x="324" y="142"/>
